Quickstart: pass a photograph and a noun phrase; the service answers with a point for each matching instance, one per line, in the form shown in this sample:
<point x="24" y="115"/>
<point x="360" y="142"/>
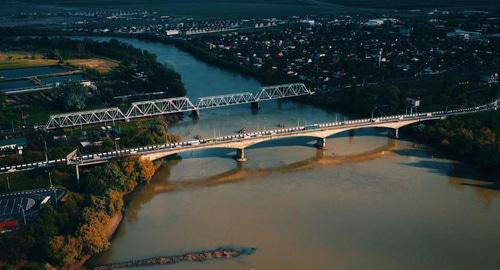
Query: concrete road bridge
<point x="240" y="142"/>
<point x="174" y="105"/>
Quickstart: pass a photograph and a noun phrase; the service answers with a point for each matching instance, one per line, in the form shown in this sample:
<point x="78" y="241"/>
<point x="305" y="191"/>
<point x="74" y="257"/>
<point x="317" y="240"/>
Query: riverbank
<point x="110" y="229"/>
<point x="194" y="51"/>
<point x="149" y="236"/>
<point x="317" y="196"/>
<point x="363" y="101"/>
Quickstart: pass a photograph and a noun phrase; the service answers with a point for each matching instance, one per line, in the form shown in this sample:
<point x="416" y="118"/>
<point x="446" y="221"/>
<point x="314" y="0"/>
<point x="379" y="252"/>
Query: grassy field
<point x="21" y="59"/>
<point x="33" y="115"/>
<point x="101" y="65"/>
<point x="33" y="179"/>
<point x="10" y="60"/>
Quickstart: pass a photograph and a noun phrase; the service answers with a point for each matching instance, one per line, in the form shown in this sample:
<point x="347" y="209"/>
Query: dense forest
<point x="474" y="139"/>
<point x="72" y="231"/>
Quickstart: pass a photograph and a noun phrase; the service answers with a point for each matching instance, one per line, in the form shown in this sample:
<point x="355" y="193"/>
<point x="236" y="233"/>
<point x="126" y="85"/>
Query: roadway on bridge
<point x="241" y="141"/>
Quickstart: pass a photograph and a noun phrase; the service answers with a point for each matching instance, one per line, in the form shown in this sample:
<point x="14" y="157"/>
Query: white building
<point x="172" y="32"/>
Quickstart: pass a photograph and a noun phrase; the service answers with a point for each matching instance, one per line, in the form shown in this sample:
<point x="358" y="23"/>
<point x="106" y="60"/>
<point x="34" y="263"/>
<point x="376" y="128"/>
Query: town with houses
<point x="339" y="57"/>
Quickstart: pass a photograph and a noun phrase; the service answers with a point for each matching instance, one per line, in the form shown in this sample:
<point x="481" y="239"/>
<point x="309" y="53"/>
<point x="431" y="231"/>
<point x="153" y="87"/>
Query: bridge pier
<point x="195" y="114"/>
<point x="77" y="173"/>
<point x="396" y="133"/>
<point x="240" y="155"/>
<point x="321" y="144"/>
<point x="255" y="106"/>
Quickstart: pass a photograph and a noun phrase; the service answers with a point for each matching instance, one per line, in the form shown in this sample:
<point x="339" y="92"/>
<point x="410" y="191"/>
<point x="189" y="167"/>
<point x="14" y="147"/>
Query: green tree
<point x="107" y="145"/>
<point x="108" y="176"/>
<point x="14" y="248"/>
<point x="42" y="230"/>
<point x="65" y="250"/>
<point x="58" y="55"/>
<point x="92" y="232"/>
<point x="2" y="101"/>
<point x="73" y="95"/>
<point x="147" y="170"/>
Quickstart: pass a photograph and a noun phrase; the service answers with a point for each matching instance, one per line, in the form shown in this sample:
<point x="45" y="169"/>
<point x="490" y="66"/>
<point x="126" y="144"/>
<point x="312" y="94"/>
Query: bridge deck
<point x="241" y="141"/>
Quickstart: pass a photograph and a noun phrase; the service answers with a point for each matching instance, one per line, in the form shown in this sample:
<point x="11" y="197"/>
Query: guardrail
<point x="197" y="144"/>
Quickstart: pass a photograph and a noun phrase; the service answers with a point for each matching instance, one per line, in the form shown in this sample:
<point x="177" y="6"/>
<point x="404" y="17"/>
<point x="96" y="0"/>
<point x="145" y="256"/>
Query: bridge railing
<point x="85" y="117"/>
<point x="160" y="107"/>
<point x="97" y="157"/>
<point x="283" y="91"/>
<point x="225" y="100"/>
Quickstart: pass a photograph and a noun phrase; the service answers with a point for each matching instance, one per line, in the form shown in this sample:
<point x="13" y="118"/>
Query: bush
<point x="65" y="250"/>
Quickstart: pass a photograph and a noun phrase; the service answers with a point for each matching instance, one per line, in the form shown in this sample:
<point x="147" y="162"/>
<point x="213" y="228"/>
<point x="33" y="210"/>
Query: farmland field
<point x="99" y="64"/>
<point x="11" y="60"/>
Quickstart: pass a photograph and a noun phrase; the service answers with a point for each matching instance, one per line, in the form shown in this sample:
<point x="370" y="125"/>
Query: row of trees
<point x="470" y="138"/>
<point x="148" y="132"/>
<point x="473" y="138"/>
<point x="70" y="231"/>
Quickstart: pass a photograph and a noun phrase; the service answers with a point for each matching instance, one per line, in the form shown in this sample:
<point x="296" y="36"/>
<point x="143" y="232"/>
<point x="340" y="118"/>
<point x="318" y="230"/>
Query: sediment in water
<point x="200" y="256"/>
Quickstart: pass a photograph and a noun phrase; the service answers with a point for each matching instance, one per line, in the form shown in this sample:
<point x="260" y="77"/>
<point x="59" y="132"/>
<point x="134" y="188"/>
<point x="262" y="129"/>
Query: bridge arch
<point x="320" y="135"/>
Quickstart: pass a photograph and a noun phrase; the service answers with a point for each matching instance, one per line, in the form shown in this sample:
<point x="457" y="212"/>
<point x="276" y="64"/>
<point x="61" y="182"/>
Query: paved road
<point x="197" y="144"/>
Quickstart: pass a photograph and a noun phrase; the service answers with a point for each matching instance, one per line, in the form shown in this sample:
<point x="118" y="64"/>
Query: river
<point x="368" y="202"/>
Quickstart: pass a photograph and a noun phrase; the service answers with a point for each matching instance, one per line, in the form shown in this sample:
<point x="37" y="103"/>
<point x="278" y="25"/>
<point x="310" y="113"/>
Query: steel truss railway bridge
<point x="174" y="105"/>
<point x="240" y="142"/>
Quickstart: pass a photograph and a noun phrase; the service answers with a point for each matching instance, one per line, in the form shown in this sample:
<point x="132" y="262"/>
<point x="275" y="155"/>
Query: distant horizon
<point x="402" y="4"/>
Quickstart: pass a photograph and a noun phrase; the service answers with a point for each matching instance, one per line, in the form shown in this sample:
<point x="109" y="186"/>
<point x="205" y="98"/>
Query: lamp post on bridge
<point x="46" y="152"/>
<point x="73" y="156"/>
<point x="8" y="183"/>
<point x="50" y="180"/>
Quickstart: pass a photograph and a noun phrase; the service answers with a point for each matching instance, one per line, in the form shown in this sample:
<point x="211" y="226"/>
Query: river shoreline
<point x="312" y="101"/>
<point x="110" y="228"/>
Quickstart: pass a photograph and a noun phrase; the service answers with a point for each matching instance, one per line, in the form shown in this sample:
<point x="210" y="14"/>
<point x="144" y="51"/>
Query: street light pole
<point x="50" y="180"/>
<point x="46" y="152"/>
<point x="55" y="195"/>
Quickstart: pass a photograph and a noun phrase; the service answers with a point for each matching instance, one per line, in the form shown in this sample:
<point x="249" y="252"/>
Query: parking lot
<point x="12" y="206"/>
<point x="29" y="200"/>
